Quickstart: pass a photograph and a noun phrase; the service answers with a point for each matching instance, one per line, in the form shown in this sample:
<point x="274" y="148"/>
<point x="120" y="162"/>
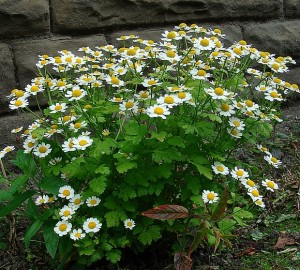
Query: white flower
<point x="58" y="107"/>
<point x="68" y="146"/>
<point x="129" y="224"/>
<point x="236" y="123"/>
<point x="66" y="192"/>
<point x="218" y="93"/>
<point x="226" y="109"/>
<point x="270" y="185"/>
<point x="209" y="196"/>
<point x="82" y="142"/>
<point x="263" y="149"/>
<point x="92" y="225"/>
<point x="63" y="227"/>
<point x="76" y="201"/>
<point x="77" y="126"/>
<point x="28" y="145"/>
<point x="42" y="199"/>
<point x="219" y="168"/>
<point x="17" y="130"/>
<point x="184" y="96"/>
<point x="239" y="174"/>
<point x="254" y="194"/>
<point x="18" y="103"/>
<point x="204" y="44"/>
<point x="42" y="150"/>
<point x="260" y="203"/>
<point x="8" y="149"/>
<point x="129" y="105"/>
<point x="77" y="234"/>
<point x="273" y="161"/>
<point x="92" y="201"/>
<point x="235" y="133"/>
<point x="249" y="105"/>
<point x="76" y="93"/>
<point x="66" y="212"/>
<point x="158" y="111"/>
<point x="169" y="100"/>
<point x="248" y="183"/>
<point x="148" y="82"/>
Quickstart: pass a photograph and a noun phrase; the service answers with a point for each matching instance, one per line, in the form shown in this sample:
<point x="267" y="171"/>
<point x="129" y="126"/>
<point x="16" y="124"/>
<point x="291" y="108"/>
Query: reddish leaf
<point x="182" y="261"/>
<point x="167" y="211"/>
<point x="248" y="251"/>
<point x="284" y="240"/>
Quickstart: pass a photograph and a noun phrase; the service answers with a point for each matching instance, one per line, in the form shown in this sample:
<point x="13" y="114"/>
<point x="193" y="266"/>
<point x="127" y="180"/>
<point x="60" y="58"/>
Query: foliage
<point x="150" y="125"/>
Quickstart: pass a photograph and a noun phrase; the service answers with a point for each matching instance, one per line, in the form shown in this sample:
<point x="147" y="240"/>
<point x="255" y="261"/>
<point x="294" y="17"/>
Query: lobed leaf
<point x="167" y="211"/>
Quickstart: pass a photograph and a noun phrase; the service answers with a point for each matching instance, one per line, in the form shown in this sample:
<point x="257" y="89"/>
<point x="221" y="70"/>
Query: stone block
<point x="24" y="18"/>
<point x="26" y="52"/>
<point x="279" y="37"/>
<point x="7" y="76"/>
<point x="71" y="16"/>
<point x="291" y="8"/>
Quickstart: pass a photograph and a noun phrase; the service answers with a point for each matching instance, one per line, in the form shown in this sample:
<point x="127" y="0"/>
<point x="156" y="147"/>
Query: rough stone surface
<point x="86" y="16"/>
<point x="291" y="8"/>
<point x="26" y="52"/>
<point x="281" y="38"/>
<point x="7" y="76"/>
<point x="24" y="17"/>
<point x="232" y="32"/>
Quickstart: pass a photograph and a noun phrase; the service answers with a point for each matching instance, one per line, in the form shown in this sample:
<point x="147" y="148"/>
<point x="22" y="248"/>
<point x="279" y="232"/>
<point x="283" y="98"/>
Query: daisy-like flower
<point x="149" y="82"/>
<point x="273" y="95"/>
<point x="66" y="192"/>
<point x="172" y="35"/>
<point x="129" y="224"/>
<point x="82" y="142"/>
<point x="142" y="95"/>
<point x="77" y="234"/>
<point x="249" y="105"/>
<point x="248" y="183"/>
<point x="263" y="149"/>
<point x="218" y="93"/>
<point x="219" y="168"/>
<point x="68" y="146"/>
<point x="260" y="203"/>
<point x="92" y="225"/>
<point x="226" y="109"/>
<point x="236" y="123"/>
<point x="254" y="194"/>
<point x="129" y="105"/>
<point x="18" y="103"/>
<point x="76" y="93"/>
<point x="66" y="212"/>
<point x="76" y="201"/>
<point x="158" y="111"/>
<point x="169" y="100"/>
<point x="17" y="130"/>
<point x="273" y="161"/>
<point x="204" y="44"/>
<point x="209" y="196"/>
<point x="8" y="149"/>
<point x="42" y="199"/>
<point x="42" y="150"/>
<point x="270" y="185"/>
<point x="63" y="227"/>
<point x="29" y="144"/>
<point x="92" y="201"/>
<point x="77" y="126"/>
<point x="114" y="81"/>
<point x="200" y="74"/>
<point x="58" y="107"/>
<point x="235" y="133"/>
<point x="239" y="174"/>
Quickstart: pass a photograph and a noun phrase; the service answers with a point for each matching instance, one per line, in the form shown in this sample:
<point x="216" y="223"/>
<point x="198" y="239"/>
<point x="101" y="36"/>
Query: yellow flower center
<point x="151" y="82"/>
<point x="204" y="42"/>
<point x="234" y="132"/>
<point x="83" y="142"/>
<point x="240" y="173"/>
<point x="34" y="88"/>
<point x="225" y="107"/>
<point x="60" y="83"/>
<point x="217" y="31"/>
<point x="66" y="192"/>
<point x="76" y="93"/>
<point x="237" y="51"/>
<point x="274" y="160"/>
<point x="274" y="94"/>
<point x="58" y="60"/>
<point x="129" y="224"/>
<point x="220" y="168"/>
<point x="93" y="202"/>
<point x="236" y="123"/>
<point x="250" y="183"/>
<point x="131" y="52"/>
<point x="249" y="103"/>
<point x="92" y="225"/>
<point x="271" y="184"/>
<point x="159" y="110"/>
<point x="58" y="107"/>
<point x="171" y="54"/>
<point x="210" y="196"/>
<point x="19" y="93"/>
<point x="129" y="104"/>
<point x="77" y="201"/>
<point x="77" y="235"/>
<point x="258" y="202"/>
<point x="77" y="125"/>
<point x="43" y="149"/>
<point x="18" y="103"/>
<point x="219" y="91"/>
<point x="255" y="193"/>
<point x="62" y="227"/>
<point x="144" y="95"/>
<point x="169" y="100"/>
<point x="242" y="42"/>
<point x="171" y="35"/>
<point x="66" y="213"/>
<point x="30" y="144"/>
<point x="88" y="106"/>
<point x="201" y="72"/>
<point x="275" y="66"/>
<point x="181" y="95"/>
<point x="115" y="80"/>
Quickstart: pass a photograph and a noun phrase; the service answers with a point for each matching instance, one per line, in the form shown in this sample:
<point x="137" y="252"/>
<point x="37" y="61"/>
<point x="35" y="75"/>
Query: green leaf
<point x="176" y="141"/>
<point x="126" y="193"/>
<point x="193" y="184"/>
<point x="113" y="218"/>
<point x="149" y="234"/>
<point x="113" y="256"/>
<point x="204" y="170"/>
<point x="31" y="231"/>
<point x="52" y="184"/>
<point x="167" y="155"/>
<point x="221" y="207"/>
<point x="51" y="240"/>
<point x="39" y="132"/>
<point x="226" y="225"/>
<point x="98" y="184"/>
<point x="15" y="203"/>
<point x="32" y="210"/>
<point x="159" y="136"/>
<point x="75" y="168"/>
<point x="125" y="165"/>
<point x="243" y="214"/>
<point x="104" y="147"/>
<point x="102" y="169"/>
<point x="25" y="162"/>
<point x="5" y="196"/>
<point x="17" y="183"/>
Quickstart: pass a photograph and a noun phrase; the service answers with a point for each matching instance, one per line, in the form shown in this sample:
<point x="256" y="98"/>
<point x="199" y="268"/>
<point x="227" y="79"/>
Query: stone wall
<point x="29" y="28"/>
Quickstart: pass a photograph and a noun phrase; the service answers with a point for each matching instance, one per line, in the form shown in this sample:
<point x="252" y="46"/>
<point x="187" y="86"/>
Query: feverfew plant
<point x="149" y="124"/>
